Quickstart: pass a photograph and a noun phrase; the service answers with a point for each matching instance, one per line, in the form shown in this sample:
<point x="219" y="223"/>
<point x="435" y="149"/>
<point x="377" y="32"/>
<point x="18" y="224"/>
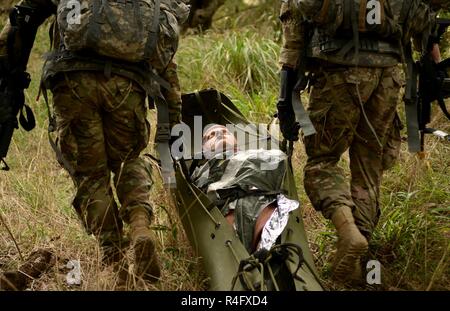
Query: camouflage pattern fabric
<point x="293" y="35"/>
<point x="102" y="128"/>
<point x="337" y="109"/>
<point x="120" y="31"/>
<point x="338" y="118"/>
<point x="419" y="23"/>
<point x="162" y="61"/>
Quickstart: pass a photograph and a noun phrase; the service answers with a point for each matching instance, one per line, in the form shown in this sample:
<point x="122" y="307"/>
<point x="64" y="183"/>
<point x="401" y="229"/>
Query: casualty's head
<point x="217" y="139"/>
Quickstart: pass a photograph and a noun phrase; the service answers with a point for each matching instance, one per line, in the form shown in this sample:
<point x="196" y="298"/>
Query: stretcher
<point x="229" y="266"/>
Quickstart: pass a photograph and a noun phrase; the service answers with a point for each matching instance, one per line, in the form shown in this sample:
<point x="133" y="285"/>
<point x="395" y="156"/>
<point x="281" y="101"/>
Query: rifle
<point x="12" y="102"/>
<point x="433" y="85"/>
<point x="14" y="80"/>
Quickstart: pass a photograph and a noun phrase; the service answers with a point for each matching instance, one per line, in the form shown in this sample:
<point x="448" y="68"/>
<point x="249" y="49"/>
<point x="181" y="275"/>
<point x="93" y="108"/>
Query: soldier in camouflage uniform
<point x="352" y="106"/>
<point x="101" y="124"/>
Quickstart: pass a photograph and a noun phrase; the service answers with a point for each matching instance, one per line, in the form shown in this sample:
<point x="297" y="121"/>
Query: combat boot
<point x="352" y="245"/>
<point x="146" y="259"/>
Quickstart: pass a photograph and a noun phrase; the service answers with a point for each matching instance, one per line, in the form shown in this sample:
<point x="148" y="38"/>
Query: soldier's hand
<point x="289" y="127"/>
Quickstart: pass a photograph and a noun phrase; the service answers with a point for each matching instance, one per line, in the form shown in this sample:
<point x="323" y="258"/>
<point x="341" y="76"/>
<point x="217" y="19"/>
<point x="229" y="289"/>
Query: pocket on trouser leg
<point x="334" y="116"/>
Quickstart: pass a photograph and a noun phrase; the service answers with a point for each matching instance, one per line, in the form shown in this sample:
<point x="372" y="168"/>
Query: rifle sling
<point x="411" y="105"/>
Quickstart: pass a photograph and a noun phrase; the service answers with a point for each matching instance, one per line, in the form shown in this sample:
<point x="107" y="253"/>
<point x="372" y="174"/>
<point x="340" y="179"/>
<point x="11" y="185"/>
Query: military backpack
<point x="343" y="17"/>
<point x="126" y="30"/>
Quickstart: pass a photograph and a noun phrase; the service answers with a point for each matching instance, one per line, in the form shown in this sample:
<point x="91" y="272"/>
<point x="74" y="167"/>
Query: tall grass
<point x="240" y="64"/>
<point x="239" y="57"/>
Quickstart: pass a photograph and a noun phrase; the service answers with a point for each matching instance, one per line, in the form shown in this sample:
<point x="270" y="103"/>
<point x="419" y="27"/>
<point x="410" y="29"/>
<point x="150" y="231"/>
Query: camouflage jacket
<point x="168" y="71"/>
<point x="301" y="40"/>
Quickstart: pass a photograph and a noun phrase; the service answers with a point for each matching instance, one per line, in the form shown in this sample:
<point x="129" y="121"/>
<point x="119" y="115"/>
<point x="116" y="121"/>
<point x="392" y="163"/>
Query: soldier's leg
<point x="81" y="143"/>
<point x="334" y="115"/>
<point x="335" y="112"/>
<point x="391" y="149"/>
<point x="370" y="154"/>
<point x="126" y="135"/>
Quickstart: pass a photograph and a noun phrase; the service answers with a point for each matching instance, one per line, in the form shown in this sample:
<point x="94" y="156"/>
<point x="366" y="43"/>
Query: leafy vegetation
<point x="239" y="57"/>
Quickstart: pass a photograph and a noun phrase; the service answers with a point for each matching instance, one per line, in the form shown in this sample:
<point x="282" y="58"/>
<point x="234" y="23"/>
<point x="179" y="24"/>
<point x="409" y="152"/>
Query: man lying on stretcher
<point x="247" y="185"/>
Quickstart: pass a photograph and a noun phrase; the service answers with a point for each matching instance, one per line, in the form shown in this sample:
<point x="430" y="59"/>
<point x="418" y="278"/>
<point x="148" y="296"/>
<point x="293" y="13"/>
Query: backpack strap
<point x="353" y="24"/>
<point x="154" y="31"/>
<point x="114" y="23"/>
<point x="137" y="14"/>
<point x="301" y="116"/>
<point x="93" y="26"/>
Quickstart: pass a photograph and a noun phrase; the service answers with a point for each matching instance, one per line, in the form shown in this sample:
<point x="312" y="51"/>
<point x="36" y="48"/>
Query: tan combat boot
<point x="352" y="245"/>
<point x="146" y="259"/>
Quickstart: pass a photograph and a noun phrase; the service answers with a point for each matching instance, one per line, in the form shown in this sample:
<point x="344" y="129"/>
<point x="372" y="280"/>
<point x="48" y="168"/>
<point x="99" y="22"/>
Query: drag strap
<point x="163" y="146"/>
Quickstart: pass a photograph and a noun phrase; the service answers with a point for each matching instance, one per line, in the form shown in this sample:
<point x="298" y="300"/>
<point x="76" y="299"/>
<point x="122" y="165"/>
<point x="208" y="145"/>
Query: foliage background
<point x="239" y="57"/>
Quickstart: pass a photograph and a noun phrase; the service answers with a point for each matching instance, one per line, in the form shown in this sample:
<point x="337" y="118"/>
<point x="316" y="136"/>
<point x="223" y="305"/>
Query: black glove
<point x="7" y="112"/>
<point x="6" y="108"/>
<point x="288" y="125"/>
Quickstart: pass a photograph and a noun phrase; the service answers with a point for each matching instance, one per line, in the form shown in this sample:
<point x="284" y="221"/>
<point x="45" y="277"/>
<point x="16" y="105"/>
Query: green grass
<point x="239" y="57"/>
<point x="242" y="66"/>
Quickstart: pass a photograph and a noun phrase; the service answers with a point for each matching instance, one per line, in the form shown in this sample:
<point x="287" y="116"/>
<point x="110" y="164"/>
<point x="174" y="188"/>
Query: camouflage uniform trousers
<point x="102" y="129"/>
<point x="335" y="110"/>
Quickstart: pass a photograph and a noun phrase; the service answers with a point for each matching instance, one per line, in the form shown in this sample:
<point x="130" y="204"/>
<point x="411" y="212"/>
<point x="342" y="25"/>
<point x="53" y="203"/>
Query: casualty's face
<point x="216" y="140"/>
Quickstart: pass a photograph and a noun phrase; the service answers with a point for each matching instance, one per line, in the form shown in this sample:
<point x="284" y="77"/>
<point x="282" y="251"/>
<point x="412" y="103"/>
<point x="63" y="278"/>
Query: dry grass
<point x="412" y="239"/>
